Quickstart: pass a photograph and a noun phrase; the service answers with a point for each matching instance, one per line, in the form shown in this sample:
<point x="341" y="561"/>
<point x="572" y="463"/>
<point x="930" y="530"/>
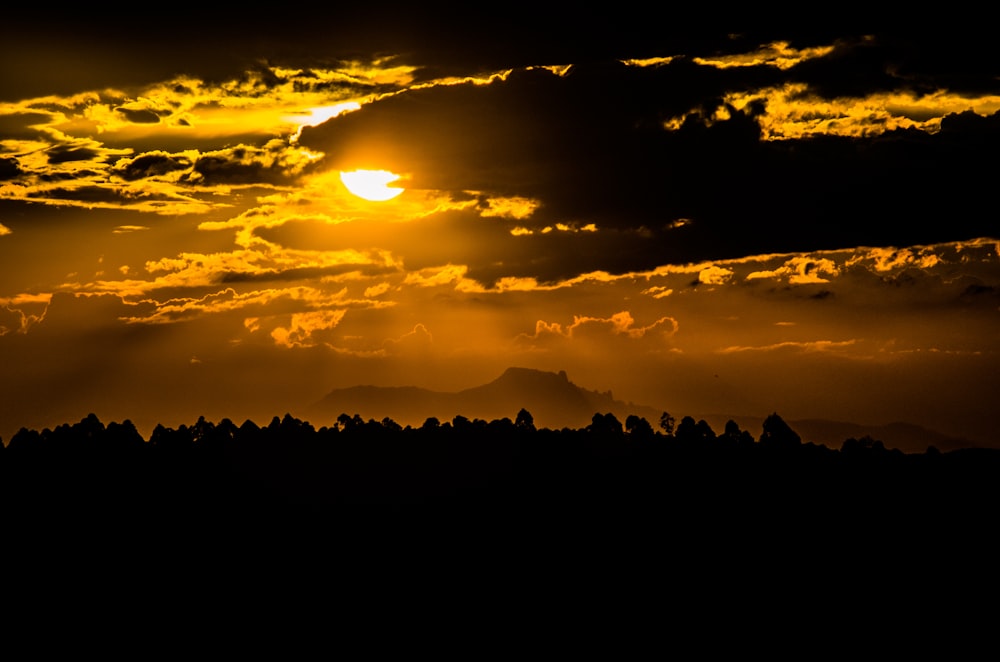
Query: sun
<point x="371" y="184"/>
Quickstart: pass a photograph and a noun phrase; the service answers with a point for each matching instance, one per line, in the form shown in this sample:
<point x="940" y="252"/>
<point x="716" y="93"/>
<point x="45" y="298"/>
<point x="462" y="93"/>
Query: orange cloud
<point x="436" y="276"/>
<point x="778" y="54"/>
<point x="801" y="270"/>
<point x="807" y="346"/>
<point x="590" y="328"/>
<point x="229" y="300"/>
<point x="714" y="275"/>
<point x="419" y="339"/>
<point x="303" y="327"/>
<point x="20" y="312"/>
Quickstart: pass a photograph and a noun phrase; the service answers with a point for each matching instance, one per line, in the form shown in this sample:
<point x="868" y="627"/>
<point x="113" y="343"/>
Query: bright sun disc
<point x="371" y="184"/>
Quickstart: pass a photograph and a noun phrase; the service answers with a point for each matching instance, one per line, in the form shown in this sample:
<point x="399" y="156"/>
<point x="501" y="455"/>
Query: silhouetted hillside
<point x="556" y="402"/>
<point x="907" y="437"/>
<point x="477" y="468"/>
<point x="553" y="400"/>
<point x="359" y="498"/>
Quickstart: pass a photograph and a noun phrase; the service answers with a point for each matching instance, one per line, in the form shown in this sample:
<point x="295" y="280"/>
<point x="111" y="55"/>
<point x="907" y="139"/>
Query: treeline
<point x="504" y="497"/>
<point x="498" y="463"/>
<point x="91" y="434"/>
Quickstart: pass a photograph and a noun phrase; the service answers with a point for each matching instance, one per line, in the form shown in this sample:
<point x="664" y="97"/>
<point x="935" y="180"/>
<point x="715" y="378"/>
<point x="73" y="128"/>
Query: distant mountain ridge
<point x="551" y="398"/>
<point x="555" y="402"/>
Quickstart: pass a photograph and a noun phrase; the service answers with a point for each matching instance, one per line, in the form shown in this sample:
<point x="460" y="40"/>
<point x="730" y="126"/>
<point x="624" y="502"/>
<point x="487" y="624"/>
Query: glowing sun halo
<point x="371" y="184"/>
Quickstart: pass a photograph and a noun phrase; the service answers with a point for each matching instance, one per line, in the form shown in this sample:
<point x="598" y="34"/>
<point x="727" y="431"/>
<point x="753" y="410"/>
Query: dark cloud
<point x="591" y="147"/>
<point x="237" y="165"/>
<point x="139" y="115"/>
<point x="66" y="153"/>
<point x="150" y="165"/>
<point x="304" y="273"/>
<point x="855" y="68"/>
<point x="22" y="124"/>
<point x="77" y="49"/>
<point x="596" y="131"/>
<point x="961" y="58"/>
<point x="9" y="169"/>
<point x="923" y="62"/>
<point x="98" y="195"/>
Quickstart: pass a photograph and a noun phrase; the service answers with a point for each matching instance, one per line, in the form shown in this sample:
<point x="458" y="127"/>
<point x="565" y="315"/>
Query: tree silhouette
<point x="606" y="424"/>
<point x="689" y="431"/>
<point x="25" y="441"/>
<point x="347" y="423"/>
<point x="638" y="427"/>
<point x="777" y="435"/>
<point x="667" y="423"/>
<point x="524" y="420"/>
<point x="866" y="444"/>
<point x="733" y="436"/>
<point x="390" y="424"/>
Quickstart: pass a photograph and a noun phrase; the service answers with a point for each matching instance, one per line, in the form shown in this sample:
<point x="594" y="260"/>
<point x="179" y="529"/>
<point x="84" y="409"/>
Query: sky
<point x="699" y="218"/>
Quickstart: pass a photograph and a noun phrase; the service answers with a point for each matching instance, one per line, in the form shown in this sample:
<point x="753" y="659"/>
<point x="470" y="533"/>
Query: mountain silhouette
<point x="556" y="402"/>
<point x="551" y="398"/>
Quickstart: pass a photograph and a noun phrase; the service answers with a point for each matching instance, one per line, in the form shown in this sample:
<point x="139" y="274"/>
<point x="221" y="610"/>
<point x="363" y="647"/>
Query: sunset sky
<point x="701" y="220"/>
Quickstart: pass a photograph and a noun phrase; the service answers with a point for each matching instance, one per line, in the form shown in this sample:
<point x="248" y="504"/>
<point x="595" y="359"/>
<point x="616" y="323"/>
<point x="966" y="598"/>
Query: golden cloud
<point x="807" y="346"/>
<point x="303" y="327"/>
<point x="791" y="111"/>
<point x="22" y="311"/>
<point x="620" y="324"/>
<point x="778" y="54"/>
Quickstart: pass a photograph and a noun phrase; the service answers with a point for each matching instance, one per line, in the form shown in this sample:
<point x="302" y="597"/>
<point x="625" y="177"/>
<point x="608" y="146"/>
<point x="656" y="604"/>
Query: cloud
<point x="800" y="270"/>
<point x="299" y="300"/>
<point x="586" y="329"/>
<point x="778" y="54"/>
<point x="151" y="164"/>
<point x="792" y="111"/>
<point x="512" y="207"/>
<point x="304" y="329"/>
<point x="9" y="169"/>
<point x="262" y="263"/>
<point x="714" y="275"/>
<point x="436" y="276"/>
<point x="75" y="138"/>
<point x="806" y="346"/>
<point x="595" y="166"/>
<point x="377" y="290"/>
<point x="139" y="115"/>
<point x="20" y="312"/>
<point x="418" y="340"/>
<point x="274" y="163"/>
<point x="536" y="135"/>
